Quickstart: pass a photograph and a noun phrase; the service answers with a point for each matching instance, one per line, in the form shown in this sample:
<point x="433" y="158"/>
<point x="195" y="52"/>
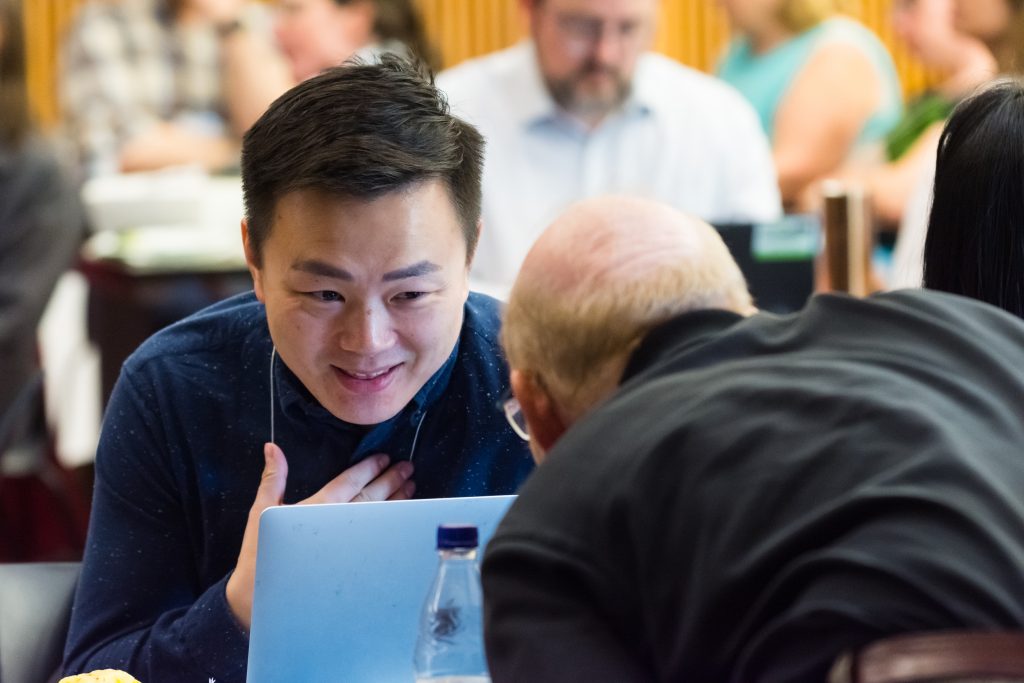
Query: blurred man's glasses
<point x="515" y="417"/>
<point x="583" y="31"/>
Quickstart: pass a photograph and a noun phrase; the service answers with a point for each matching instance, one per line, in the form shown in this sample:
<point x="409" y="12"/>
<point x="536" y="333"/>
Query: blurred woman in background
<point x="999" y="24"/>
<point x="317" y="34"/>
<point x="962" y="62"/>
<point x="823" y="85"/>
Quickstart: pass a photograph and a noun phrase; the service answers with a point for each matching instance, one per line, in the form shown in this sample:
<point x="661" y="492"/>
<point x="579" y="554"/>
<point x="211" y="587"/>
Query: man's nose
<point x="608" y="46"/>
<point x="366" y="330"/>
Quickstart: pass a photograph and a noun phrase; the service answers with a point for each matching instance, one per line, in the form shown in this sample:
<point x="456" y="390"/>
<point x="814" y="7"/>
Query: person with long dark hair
<point x="975" y="242"/>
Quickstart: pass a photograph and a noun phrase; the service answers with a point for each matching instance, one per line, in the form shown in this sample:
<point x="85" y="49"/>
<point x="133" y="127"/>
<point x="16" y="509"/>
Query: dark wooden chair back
<point x="942" y="657"/>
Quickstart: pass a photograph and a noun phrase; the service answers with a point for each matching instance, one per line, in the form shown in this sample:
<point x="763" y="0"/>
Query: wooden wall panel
<point x="692" y="31"/>
<point x="45" y="21"/>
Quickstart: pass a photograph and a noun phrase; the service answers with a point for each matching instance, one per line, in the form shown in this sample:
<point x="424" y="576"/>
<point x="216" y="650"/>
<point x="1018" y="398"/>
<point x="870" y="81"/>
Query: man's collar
<point x="533" y="104"/>
<point x="645" y="93"/>
<point x="677" y="336"/>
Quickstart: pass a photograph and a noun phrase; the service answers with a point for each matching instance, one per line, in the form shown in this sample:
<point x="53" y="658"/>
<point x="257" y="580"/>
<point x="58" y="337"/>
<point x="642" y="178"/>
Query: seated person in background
<point x="975" y="241"/>
<point x="823" y="85"/>
<point x="999" y="24"/>
<point x="727" y="497"/>
<point x="362" y="355"/>
<point x="146" y="84"/>
<point x="41" y="223"/>
<point x="317" y="34"/>
<point x="582" y="109"/>
<point x="927" y="29"/>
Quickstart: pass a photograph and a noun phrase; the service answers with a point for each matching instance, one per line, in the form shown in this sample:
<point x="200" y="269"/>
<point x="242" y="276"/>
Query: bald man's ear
<point x="252" y="262"/>
<point x="543" y="420"/>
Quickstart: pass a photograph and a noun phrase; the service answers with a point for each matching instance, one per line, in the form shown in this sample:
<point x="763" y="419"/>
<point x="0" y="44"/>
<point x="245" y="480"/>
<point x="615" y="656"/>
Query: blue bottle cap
<point x="451" y="536"/>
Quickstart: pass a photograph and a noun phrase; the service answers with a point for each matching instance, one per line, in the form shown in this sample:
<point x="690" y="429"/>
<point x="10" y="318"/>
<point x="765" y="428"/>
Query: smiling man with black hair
<point x="361" y="355"/>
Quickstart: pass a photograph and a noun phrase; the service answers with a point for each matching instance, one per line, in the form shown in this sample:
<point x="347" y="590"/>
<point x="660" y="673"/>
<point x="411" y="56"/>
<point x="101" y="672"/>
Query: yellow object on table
<point x="101" y="676"/>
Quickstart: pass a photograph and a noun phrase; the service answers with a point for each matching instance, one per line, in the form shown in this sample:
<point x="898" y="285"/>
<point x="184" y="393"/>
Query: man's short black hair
<point x="360" y="130"/>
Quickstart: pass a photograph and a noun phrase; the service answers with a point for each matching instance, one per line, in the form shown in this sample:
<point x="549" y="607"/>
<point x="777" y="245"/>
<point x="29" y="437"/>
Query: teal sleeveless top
<point x="765" y="79"/>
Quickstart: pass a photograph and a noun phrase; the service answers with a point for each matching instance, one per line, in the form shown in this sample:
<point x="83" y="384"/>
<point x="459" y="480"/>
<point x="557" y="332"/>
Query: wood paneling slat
<point x="692" y="31"/>
<point x="45" y="21"/>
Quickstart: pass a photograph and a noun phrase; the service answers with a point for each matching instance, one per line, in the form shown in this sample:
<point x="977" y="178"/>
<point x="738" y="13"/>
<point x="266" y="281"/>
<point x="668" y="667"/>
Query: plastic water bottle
<point x="450" y="646"/>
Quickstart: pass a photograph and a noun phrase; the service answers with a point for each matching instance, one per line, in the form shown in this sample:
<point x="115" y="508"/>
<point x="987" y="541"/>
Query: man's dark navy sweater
<point x="180" y="460"/>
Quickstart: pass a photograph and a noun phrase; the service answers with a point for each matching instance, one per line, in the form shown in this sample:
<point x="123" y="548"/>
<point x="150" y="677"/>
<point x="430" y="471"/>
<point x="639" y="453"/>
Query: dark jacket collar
<point x="676" y="337"/>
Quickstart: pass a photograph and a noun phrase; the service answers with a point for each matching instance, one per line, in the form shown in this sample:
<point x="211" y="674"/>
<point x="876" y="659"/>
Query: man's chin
<point x="595" y="102"/>
<point x="366" y="415"/>
<point x="359" y="406"/>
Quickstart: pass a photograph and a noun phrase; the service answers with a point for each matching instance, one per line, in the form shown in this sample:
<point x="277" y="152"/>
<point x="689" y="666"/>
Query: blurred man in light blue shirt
<point x="583" y="109"/>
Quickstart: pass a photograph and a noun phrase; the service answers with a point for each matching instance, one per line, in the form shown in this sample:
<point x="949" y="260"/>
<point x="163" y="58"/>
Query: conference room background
<point x="692" y="31"/>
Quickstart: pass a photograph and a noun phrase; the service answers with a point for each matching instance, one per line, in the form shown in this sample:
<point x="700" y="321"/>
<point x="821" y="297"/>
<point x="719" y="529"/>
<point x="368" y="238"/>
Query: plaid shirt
<point x="126" y="66"/>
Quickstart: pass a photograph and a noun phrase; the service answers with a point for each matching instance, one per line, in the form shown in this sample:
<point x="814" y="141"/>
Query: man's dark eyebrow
<point x="315" y="267"/>
<point x="415" y="270"/>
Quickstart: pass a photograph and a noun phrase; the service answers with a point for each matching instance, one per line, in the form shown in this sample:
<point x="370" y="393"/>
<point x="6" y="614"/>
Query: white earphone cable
<point x="416" y="436"/>
<point x="273" y="352"/>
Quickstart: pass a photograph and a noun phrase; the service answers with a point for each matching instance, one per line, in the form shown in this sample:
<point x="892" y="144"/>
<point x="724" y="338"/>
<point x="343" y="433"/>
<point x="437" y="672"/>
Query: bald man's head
<point x="599" y="278"/>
